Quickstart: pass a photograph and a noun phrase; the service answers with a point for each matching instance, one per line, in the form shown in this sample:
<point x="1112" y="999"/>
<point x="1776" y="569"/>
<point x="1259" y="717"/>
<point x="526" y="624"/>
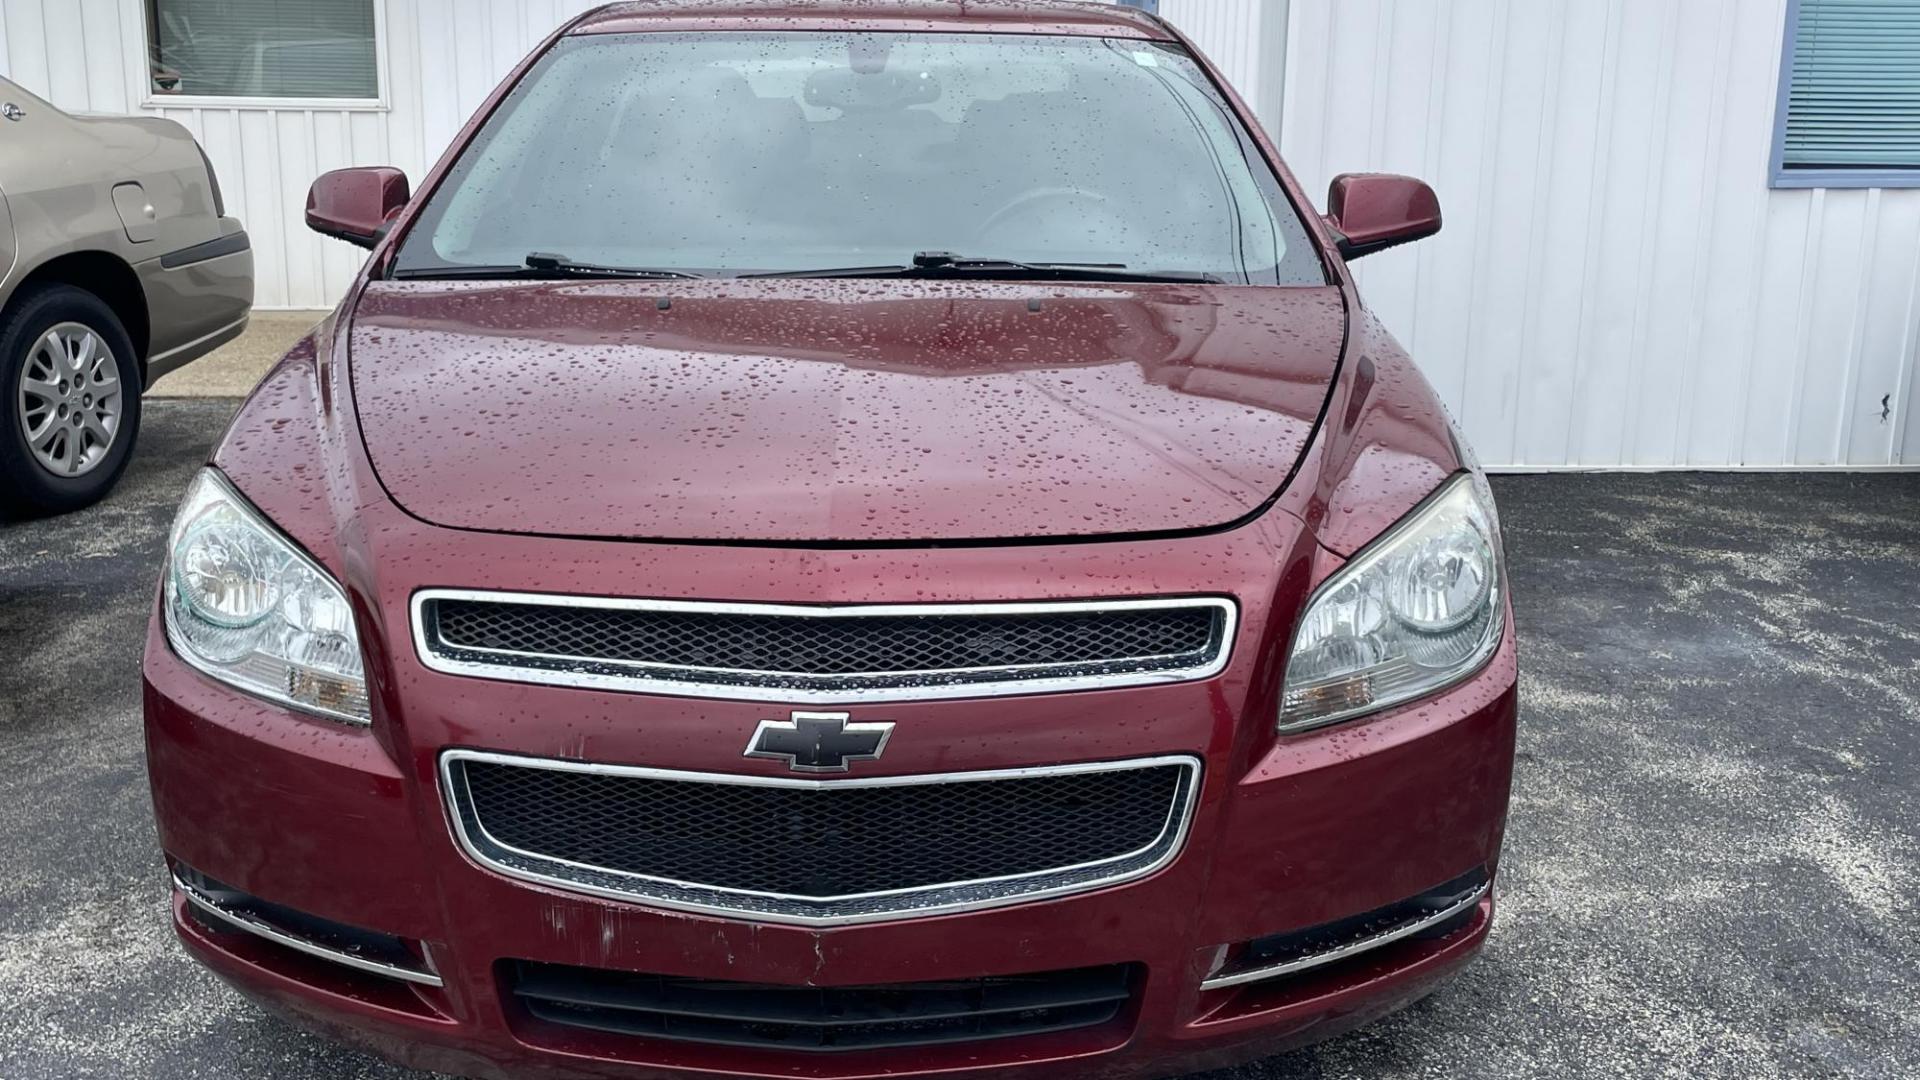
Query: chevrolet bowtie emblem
<point x="819" y="741"/>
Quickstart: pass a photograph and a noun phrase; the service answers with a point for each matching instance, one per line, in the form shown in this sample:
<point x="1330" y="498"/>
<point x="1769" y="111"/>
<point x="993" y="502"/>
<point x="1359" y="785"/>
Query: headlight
<point x="1418" y="610"/>
<point x="246" y="607"/>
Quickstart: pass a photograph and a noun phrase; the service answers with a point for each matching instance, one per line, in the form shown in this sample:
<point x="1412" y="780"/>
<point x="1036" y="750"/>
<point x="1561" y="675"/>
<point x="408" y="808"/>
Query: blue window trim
<point x="1151" y="7"/>
<point x="1781" y="177"/>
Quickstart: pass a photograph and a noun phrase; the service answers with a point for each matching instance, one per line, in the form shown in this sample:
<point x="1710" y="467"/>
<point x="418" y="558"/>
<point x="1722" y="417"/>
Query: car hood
<point x="838" y="411"/>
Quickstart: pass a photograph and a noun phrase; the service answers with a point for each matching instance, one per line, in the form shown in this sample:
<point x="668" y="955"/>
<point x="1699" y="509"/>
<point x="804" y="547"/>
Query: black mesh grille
<point x="708" y="646"/>
<point x="807" y="1018"/>
<point x="830" y="841"/>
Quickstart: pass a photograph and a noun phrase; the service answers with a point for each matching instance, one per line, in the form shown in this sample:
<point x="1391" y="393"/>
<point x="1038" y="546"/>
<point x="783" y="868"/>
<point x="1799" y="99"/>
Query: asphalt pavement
<point x="1711" y="871"/>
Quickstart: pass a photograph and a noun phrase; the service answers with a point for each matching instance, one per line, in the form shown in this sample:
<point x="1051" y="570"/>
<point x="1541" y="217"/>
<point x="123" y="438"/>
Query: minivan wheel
<point x="71" y="405"/>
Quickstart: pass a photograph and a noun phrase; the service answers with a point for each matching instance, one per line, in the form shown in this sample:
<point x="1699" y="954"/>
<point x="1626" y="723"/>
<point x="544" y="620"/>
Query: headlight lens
<point x="246" y="607"/>
<point x="1420" y="609"/>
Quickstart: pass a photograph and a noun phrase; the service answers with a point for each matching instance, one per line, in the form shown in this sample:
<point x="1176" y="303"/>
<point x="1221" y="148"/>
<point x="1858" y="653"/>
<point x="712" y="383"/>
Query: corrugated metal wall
<point x="1616" y="284"/>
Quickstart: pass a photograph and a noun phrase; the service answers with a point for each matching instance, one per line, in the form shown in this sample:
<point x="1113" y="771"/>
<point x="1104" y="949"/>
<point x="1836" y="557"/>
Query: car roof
<point x="983" y="16"/>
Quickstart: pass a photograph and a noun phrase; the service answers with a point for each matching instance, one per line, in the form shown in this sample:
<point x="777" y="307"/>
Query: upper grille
<point x="807" y="654"/>
<point x="804" y="645"/>
<point x="819" y="851"/>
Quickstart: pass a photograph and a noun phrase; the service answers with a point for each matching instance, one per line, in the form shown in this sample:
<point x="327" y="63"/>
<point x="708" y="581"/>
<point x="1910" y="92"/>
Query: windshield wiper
<point x="560" y="264"/>
<point x="945" y="264"/>
<point x="540" y="266"/>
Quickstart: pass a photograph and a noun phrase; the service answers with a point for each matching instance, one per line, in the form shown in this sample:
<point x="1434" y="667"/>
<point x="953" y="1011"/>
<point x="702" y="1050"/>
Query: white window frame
<point x="134" y="12"/>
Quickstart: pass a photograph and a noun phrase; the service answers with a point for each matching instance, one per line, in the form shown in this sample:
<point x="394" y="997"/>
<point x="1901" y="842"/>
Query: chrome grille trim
<point x="800" y="688"/>
<point x="258" y="927"/>
<point x="942" y="899"/>
<point x="1355" y="948"/>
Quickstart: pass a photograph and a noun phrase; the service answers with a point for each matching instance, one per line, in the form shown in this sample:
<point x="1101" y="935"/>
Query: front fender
<point x="1386" y="443"/>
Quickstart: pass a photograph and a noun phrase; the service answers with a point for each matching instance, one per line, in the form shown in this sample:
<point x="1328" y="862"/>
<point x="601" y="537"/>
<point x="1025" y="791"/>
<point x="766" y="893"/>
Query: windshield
<point x="735" y="153"/>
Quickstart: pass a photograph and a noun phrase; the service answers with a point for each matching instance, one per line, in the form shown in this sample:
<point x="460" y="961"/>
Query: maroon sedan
<point x="833" y="540"/>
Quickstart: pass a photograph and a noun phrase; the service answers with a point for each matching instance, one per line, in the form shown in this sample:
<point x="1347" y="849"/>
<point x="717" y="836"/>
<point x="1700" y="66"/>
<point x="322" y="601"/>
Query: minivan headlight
<point x="246" y="607"/>
<point x="1419" y="609"/>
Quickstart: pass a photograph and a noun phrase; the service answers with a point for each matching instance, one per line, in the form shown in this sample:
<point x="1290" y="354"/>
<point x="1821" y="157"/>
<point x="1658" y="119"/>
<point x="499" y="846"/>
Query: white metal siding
<point x="1616" y="284"/>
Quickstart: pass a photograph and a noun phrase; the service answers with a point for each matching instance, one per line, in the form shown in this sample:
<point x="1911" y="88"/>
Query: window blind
<point x="265" y="48"/>
<point x="1854" y="95"/>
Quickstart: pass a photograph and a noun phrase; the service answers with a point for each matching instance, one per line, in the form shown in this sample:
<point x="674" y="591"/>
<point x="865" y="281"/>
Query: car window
<point x="758" y="152"/>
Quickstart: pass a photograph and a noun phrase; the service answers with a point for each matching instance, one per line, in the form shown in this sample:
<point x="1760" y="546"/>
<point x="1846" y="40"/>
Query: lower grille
<point x="800" y="1018"/>
<point x="820" y="851"/>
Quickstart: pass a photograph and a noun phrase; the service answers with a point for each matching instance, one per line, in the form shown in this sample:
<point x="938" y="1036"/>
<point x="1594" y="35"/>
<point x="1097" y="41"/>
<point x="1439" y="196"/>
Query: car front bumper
<point x="349" y="825"/>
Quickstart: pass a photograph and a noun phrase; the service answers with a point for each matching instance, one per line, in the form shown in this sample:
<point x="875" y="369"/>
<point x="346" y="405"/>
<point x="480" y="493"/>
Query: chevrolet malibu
<point x="839" y="540"/>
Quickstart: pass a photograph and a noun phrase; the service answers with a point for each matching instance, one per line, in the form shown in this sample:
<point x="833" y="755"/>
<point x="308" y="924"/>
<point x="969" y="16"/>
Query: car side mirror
<point x="355" y="204"/>
<point x="1375" y="211"/>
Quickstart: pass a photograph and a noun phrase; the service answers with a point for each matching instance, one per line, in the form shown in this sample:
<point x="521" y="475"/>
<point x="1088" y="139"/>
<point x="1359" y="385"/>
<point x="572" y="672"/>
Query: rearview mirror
<point x="355" y="204"/>
<point x="1375" y="211"/>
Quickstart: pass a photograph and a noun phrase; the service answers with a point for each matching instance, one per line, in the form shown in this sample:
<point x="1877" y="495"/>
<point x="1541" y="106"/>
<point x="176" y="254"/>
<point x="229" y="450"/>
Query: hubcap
<point x="70" y="404"/>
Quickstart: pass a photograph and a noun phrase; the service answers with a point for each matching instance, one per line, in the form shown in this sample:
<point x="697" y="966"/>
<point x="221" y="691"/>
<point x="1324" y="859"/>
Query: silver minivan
<point x="118" y="264"/>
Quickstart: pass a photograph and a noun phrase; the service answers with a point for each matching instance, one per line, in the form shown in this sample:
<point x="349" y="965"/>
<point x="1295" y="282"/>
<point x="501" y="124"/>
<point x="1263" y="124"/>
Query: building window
<point x="1151" y="7"/>
<point x="1849" y="109"/>
<point x="312" y="49"/>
